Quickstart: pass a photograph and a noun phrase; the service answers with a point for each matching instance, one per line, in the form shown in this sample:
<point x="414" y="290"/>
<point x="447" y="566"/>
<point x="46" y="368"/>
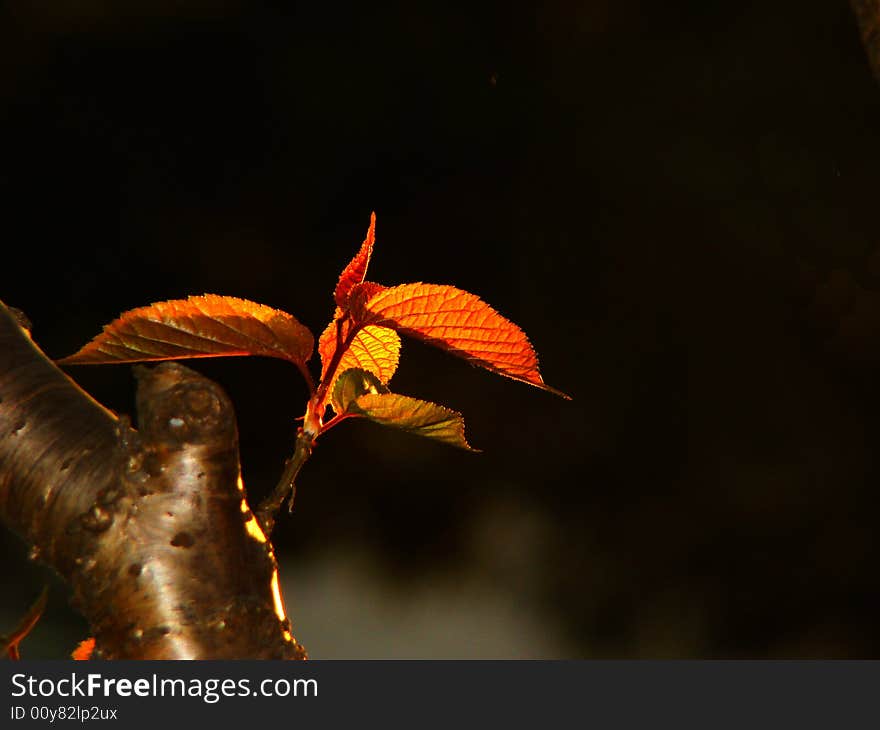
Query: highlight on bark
<point x="151" y="527"/>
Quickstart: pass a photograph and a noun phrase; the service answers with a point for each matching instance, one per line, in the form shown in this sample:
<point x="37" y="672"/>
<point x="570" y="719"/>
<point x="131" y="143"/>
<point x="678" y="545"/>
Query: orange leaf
<point x="356" y="270"/>
<point x="416" y="416"/>
<point x="456" y="321"/>
<point x="84" y="649"/>
<point x="202" y="326"/>
<point x="376" y="349"/>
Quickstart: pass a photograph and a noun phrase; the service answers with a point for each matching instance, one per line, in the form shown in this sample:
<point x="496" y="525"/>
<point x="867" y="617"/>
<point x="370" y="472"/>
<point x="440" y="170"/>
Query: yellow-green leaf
<point x="351" y="385"/>
<point x="373" y="348"/>
<point x="413" y="415"/>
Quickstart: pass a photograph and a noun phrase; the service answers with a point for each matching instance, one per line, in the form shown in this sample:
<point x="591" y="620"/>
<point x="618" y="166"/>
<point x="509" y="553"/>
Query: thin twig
<point x="11" y="642"/>
<point x="269" y="507"/>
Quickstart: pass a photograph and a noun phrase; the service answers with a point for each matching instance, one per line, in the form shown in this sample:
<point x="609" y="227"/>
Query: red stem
<point x="341" y="347"/>
<point x="338" y="418"/>
<point x="311" y="429"/>
<point x="308" y="376"/>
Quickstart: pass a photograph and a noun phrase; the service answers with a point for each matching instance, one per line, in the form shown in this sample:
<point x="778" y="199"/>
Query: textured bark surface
<point x="867" y="14"/>
<point x="151" y="528"/>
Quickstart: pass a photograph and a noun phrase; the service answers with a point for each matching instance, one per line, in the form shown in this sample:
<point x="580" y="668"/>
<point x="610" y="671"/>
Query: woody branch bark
<point x="867" y="14"/>
<point x="151" y="528"/>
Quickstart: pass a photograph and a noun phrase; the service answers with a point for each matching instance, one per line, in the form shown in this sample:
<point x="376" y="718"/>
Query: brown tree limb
<point x="151" y="528"/>
<point x="867" y="14"/>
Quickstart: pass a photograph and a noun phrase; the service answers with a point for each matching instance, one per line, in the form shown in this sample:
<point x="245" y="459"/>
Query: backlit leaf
<point x="200" y="326"/>
<point x="376" y="349"/>
<point x="456" y="321"/>
<point x="351" y="385"/>
<point x="413" y="415"/>
<point x="361" y="293"/>
<point x="356" y="270"/>
<point x="373" y="348"/>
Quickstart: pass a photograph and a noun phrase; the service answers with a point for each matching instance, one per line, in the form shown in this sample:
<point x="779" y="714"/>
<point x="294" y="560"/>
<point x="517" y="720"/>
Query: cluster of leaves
<point x="359" y="349"/>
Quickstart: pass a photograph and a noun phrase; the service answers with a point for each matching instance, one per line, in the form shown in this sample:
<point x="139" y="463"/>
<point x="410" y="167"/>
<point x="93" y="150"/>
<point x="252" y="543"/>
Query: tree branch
<point x="151" y="528"/>
<point x="867" y="14"/>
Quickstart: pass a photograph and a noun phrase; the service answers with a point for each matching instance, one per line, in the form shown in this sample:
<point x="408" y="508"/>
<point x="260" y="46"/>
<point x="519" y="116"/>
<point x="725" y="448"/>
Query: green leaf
<point x="413" y="415"/>
<point x="352" y="384"/>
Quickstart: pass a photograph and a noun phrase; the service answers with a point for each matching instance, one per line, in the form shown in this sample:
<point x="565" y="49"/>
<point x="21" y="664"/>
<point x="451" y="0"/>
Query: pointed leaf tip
<point x="199" y="326"/>
<point x="356" y="270"/>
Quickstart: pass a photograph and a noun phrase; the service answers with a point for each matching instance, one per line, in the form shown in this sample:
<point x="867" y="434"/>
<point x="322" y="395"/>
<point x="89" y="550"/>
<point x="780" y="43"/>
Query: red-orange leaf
<point x="84" y="649"/>
<point x="375" y="349"/>
<point x="413" y="415"/>
<point x="457" y="321"/>
<point x="200" y="326"/>
<point x="361" y="293"/>
<point x="356" y="270"/>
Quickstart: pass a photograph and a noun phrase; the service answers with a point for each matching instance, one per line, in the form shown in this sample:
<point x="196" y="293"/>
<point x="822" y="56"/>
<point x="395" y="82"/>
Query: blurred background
<point x="677" y="202"/>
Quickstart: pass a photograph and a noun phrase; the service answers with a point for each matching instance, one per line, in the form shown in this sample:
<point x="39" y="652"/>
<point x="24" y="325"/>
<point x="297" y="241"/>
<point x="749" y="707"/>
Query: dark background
<point x="676" y="200"/>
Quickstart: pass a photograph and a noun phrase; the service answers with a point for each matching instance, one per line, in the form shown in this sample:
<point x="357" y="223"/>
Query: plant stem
<point x="306" y="436"/>
<point x="338" y="418"/>
<point x="308" y="376"/>
<point x="268" y="508"/>
<point x="342" y="345"/>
